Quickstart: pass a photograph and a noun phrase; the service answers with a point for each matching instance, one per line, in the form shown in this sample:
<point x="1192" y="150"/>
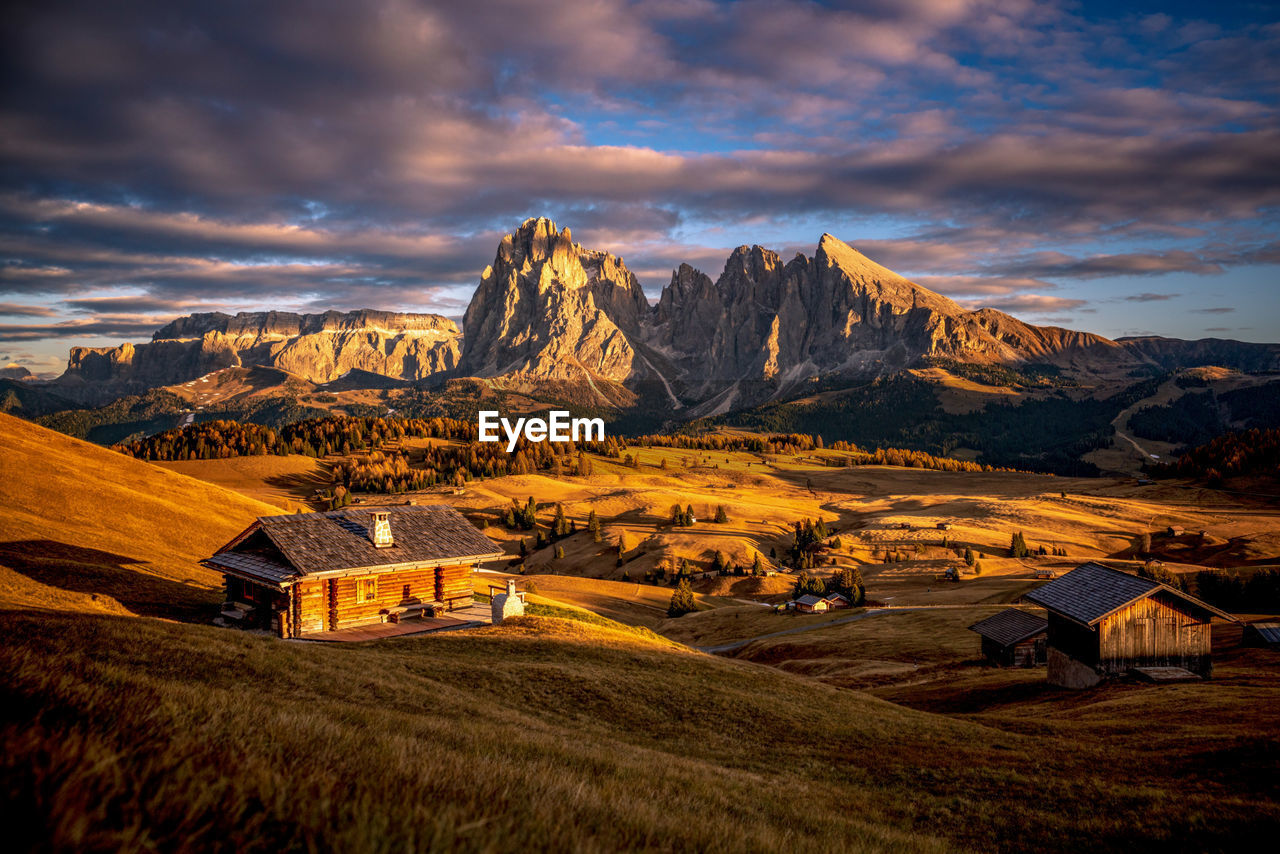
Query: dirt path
<point x="1168" y="392"/>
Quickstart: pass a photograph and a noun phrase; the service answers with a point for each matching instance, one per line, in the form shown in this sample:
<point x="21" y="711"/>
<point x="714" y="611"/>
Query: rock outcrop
<point x="764" y="325"/>
<point x="547" y="309"/>
<point x="317" y="347"/>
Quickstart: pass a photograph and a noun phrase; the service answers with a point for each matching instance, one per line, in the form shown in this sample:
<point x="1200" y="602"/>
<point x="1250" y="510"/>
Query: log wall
<point x="329" y="604"/>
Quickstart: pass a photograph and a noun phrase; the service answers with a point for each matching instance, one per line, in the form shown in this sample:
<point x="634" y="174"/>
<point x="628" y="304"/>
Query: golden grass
<point x="729" y="624"/>
<point x="87" y="529"/>
<point x="890" y="645"/>
<point x="549" y="735"/>
<point x="283" y="482"/>
<point x="629" y="603"/>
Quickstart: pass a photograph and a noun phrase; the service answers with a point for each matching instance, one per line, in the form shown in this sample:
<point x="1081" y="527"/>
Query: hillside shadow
<point x="300" y="486"/>
<point x="99" y="573"/>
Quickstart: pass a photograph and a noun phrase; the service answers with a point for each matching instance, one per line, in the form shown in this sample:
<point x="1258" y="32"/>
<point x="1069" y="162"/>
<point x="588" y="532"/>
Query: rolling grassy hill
<point x="87" y="529"/>
<point x="551" y="735"/>
<point x="127" y="733"/>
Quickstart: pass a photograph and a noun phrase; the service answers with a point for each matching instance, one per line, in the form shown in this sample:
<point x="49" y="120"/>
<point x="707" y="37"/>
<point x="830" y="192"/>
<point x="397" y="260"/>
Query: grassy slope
<point x="88" y="529"/>
<point x="549" y="735"/>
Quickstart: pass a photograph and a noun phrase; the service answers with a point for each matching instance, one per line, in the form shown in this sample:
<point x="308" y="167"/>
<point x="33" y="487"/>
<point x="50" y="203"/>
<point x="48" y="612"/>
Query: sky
<point x="1101" y="166"/>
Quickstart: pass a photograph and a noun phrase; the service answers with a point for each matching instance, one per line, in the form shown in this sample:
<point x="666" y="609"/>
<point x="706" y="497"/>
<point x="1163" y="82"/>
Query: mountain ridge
<point x="549" y="313"/>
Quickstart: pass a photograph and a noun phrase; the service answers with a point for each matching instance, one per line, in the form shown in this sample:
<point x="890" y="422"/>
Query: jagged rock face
<point x="317" y="347"/>
<point x="547" y="308"/>
<point x="772" y="324"/>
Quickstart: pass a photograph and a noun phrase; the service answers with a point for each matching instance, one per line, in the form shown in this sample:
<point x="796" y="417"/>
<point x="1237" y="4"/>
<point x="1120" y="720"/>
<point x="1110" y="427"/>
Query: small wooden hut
<point x="1013" y="638"/>
<point x="836" y="601"/>
<point x="1105" y="623"/>
<point x="810" y="604"/>
<point x="321" y="572"/>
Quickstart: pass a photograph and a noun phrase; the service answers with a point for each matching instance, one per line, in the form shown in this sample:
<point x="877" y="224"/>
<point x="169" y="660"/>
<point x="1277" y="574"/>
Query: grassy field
<point x="90" y="530"/>
<point x="877" y="510"/>
<point x="553" y="735"/>
<point x="591" y="725"/>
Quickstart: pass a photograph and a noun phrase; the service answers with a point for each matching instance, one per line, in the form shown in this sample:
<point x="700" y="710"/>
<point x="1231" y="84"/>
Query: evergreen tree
<point x="1018" y="546"/>
<point x="807" y="584"/>
<point x="559" y="552"/>
<point x="969" y="559"/>
<point x="682" y="601"/>
<point x="721" y="516"/>
<point x="757" y="566"/>
<point x="560" y="526"/>
<point x="720" y="563"/>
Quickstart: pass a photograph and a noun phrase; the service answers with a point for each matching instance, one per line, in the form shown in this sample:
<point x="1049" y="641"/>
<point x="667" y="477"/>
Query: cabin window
<point x="366" y="589"/>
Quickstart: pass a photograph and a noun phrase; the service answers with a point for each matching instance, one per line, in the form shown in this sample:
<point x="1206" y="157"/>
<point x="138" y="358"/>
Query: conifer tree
<point x="721" y="516"/>
<point x="682" y="601"/>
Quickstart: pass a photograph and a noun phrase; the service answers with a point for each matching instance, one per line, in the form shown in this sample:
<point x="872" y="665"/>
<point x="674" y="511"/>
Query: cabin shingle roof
<point x="809" y="599"/>
<point x="258" y="566"/>
<point x="1269" y="632"/>
<point x="1092" y="591"/>
<point x="311" y="543"/>
<point x="1010" y="626"/>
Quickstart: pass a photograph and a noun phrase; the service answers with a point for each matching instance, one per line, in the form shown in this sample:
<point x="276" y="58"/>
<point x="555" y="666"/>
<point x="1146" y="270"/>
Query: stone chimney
<point x="380" y="532"/>
<point x="508" y="604"/>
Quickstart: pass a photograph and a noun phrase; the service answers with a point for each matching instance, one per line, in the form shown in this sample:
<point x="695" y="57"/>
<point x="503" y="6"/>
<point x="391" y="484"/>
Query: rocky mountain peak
<point x="549" y="308"/>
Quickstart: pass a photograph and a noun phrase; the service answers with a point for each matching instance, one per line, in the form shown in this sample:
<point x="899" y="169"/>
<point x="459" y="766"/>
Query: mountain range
<point x="550" y="315"/>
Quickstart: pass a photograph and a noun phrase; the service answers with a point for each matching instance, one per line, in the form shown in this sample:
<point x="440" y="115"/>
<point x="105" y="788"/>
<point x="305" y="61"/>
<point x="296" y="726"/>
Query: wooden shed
<point x="810" y="604"/>
<point x="321" y="572"/>
<point x="1105" y="623"/>
<point x="1013" y="638"/>
<point x="836" y="601"/>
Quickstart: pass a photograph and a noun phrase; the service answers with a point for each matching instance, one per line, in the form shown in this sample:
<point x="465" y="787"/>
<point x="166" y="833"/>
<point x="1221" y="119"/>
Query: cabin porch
<point x="469" y="616"/>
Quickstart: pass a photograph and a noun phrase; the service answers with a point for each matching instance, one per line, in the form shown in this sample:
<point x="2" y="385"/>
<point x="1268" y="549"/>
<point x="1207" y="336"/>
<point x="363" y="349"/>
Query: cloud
<point x="187" y="154"/>
<point x="1029" y="304"/>
<point x="14" y="309"/>
<point x="122" y="327"/>
<point x="1215" y="310"/>
<point x="1150" y="297"/>
<point x="1057" y="264"/>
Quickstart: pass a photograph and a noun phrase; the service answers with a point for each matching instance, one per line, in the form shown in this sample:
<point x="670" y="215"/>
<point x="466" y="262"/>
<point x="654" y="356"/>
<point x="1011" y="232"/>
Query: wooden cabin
<point x="836" y="601"/>
<point x="1105" y="623"/>
<point x="810" y="604"/>
<point x="1013" y="638"/>
<point x="320" y="572"/>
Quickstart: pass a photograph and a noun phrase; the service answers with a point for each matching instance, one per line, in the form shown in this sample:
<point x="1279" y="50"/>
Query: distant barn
<point x="1013" y="638"/>
<point x="321" y="572"/>
<point x="810" y="604"/>
<point x="836" y="601"/>
<point x="1105" y="623"/>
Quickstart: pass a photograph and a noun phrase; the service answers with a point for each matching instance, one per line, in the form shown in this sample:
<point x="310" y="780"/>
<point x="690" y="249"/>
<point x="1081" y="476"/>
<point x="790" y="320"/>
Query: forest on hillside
<point x="1247" y="453"/>
<point x="1199" y="416"/>
<point x="1048" y="435"/>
